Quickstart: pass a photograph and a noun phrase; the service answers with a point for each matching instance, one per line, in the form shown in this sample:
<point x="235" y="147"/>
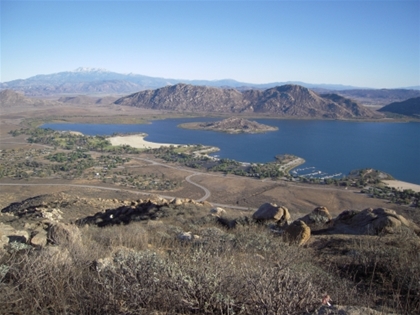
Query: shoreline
<point x="401" y="185"/>
<point x="137" y="141"/>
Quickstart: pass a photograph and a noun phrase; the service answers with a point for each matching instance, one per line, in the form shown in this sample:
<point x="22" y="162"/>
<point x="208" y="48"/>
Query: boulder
<point x="39" y="238"/>
<point x="187" y="236"/>
<point x="10" y="234"/>
<point x="318" y="216"/>
<point x="372" y="222"/>
<point x="297" y="233"/>
<point x="217" y="211"/>
<point x="54" y="215"/>
<point x="177" y="201"/>
<point x="270" y="211"/>
<point x="61" y="233"/>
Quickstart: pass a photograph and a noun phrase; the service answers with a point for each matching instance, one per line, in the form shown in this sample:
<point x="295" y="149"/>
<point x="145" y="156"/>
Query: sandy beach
<point x="400" y="185"/>
<point x="137" y="141"/>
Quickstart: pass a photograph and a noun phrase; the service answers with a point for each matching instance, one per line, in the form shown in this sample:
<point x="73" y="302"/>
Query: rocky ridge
<point x="40" y="215"/>
<point x="283" y="101"/>
<point x="10" y="98"/>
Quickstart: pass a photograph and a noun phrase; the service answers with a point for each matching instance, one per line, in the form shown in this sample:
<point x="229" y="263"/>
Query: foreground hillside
<point x="283" y="101"/>
<point x="158" y="256"/>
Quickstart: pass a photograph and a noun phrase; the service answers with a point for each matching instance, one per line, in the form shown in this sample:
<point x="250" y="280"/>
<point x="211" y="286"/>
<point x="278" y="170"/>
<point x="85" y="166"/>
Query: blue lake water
<point x="329" y="147"/>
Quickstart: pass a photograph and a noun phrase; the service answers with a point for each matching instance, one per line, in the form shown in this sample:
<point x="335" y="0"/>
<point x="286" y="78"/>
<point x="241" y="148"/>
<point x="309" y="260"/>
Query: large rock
<point x="319" y="216"/>
<point x="372" y="222"/>
<point x="270" y="211"/>
<point x="217" y="211"/>
<point x="39" y="238"/>
<point x="297" y="233"/>
<point x="61" y="234"/>
<point x="10" y="234"/>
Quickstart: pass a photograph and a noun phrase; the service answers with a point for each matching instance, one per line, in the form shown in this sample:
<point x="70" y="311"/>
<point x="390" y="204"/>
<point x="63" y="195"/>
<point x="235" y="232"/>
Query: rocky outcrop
<point x="371" y="222"/>
<point x="319" y="216"/>
<point x="9" y="234"/>
<point x="217" y="212"/>
<point x="272" y="212"/>
<point x="62" y="234"/>
<point x="297" y="233"/>
<point x="143" y="210"/>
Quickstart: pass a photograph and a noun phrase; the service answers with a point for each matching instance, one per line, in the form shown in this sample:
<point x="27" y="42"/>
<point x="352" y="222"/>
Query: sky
<point x="360" y="43"/>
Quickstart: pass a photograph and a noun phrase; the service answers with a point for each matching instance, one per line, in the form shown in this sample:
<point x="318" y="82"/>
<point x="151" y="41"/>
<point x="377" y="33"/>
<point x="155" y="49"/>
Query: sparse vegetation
<point x="142" y="268"/>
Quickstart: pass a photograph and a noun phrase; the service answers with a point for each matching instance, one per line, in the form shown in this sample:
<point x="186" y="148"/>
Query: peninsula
<point x="231" y="125"/>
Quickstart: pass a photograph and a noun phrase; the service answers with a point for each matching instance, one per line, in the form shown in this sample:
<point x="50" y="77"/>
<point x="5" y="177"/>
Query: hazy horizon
<point x="373" y="44"/>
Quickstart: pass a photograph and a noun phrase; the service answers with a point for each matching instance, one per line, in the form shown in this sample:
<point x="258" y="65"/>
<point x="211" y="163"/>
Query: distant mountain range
<point x="91" y="81"/>
<point x="282" y="101"/>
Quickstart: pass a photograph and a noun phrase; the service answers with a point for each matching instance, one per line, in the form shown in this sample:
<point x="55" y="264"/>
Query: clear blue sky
<point x="361" y="43"/>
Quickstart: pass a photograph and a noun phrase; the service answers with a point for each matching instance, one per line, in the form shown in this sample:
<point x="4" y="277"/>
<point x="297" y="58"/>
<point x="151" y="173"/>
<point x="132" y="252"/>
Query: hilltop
<point x="282" y="101"/>
<point x="9" y="98"/>
<point x="410" y="107"/>
<point x="231" y="125"/>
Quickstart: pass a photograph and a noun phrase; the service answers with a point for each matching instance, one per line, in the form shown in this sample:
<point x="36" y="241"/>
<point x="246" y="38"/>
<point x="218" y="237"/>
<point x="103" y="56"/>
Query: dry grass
<point x="142" y="268"/>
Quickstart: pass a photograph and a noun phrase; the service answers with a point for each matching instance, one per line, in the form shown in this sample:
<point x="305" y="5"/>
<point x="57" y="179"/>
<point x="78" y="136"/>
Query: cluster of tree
<point x="227" y="166"/>
<point x="23" y="164"/>
<point x="142" y="182"/>
<point x="406" y="196"/>
<point x="71" y="141"/>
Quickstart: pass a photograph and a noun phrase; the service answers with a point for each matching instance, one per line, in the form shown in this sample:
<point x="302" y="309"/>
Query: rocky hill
<point x="231" y="125"/>
<point x="9" y="98"/>
<point x="187" y="98"/>
<point x="283" y="101"/>
<point x="410" y="107"/>
<point x="87" y="100"/>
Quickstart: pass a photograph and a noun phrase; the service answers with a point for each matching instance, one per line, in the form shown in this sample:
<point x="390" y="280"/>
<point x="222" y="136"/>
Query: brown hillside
<point x="283" y="101"/>
<point x="9" y="98"/>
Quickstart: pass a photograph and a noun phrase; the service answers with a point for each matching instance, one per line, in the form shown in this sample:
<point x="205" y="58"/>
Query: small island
<point x="231" y="125"/>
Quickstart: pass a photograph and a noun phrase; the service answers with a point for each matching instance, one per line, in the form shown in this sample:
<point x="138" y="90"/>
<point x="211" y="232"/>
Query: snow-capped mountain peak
<point x="87" y="69"/>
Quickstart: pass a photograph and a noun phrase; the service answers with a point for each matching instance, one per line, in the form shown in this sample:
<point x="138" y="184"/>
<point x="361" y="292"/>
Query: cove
<point x="329" y="147"/>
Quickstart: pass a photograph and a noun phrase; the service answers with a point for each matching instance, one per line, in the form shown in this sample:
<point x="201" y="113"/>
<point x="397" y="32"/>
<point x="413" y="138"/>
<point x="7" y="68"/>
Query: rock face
<point x="318" y="216"/>
<point x="371" y="222"/>
<point x="298" y="233"/>
<point x="270" y="211"/>
<point x="286" y="101"/>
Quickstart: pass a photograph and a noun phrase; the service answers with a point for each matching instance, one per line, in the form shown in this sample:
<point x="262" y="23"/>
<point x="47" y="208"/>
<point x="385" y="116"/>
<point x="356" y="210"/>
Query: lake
<point x="329" y="147"/>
